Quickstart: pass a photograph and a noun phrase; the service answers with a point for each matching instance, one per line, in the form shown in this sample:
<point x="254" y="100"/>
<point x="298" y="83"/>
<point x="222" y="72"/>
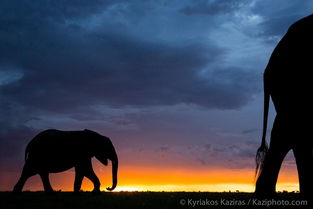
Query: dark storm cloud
<point x="114" y="70"/>
<point x="65" y="64"/>
<point x="60" y="10"/>
<point x="277" y="26"/>
<point x="277" y="21"/>
<point x="212" y="7"/>
<point x="54" y="60"/>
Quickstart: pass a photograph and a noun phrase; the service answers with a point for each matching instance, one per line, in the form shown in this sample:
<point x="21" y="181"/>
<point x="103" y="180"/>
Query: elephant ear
<point x="102" y="158"/>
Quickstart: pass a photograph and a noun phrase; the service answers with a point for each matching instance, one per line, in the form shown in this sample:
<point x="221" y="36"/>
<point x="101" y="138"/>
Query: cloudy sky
<point x="176" y="84"/>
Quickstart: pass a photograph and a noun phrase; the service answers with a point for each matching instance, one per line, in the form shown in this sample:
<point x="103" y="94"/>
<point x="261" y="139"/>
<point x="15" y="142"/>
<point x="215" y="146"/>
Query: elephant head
<point x="105" y="151"/>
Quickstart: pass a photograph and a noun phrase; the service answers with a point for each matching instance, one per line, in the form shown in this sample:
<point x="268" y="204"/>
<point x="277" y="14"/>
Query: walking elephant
<point x="288" y="82"/>
<point x="53" y="151"/>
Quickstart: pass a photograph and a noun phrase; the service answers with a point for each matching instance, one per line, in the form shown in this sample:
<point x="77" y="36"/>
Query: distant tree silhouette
<point x="53" y="151"/>
<point x="288" y="82"/>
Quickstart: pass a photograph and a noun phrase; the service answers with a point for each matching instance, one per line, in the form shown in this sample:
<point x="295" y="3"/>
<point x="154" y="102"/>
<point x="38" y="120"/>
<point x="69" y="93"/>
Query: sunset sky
<point x="176" y="85"/>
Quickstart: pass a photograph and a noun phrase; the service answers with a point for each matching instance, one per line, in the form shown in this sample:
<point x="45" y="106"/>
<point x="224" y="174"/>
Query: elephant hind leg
<point x="27" y="172"/>
<point x="45" y="181"/>
<point x="266" y="182"/>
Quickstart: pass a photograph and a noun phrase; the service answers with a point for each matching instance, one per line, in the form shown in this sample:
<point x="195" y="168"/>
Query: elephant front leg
<point x="92" y="176"/>
<point x="304" y="160"/>
<point x="266" y="183"/>
<point x="78" y="179"/>
<point x="85" y="169"/>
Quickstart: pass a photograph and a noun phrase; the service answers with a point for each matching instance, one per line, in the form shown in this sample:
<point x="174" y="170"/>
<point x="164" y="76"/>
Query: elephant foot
<point x="76" y="193"/>
<point x="50" y="192"/>
<point x="96" y="191"/>
<point x="264" y="195"/>
<point x="17" y="189"/>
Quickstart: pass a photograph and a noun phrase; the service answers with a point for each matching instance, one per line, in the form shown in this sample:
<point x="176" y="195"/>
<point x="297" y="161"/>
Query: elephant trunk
<point x="114" y="160"/>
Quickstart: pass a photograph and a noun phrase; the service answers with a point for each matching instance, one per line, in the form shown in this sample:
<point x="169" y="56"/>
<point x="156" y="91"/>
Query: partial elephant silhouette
<point x="288" y="81"/>
<point x="53" y="151"/>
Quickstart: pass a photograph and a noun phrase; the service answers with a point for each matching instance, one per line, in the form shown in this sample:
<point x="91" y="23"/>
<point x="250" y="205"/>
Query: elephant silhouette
<point x="53" y="151"/>
<point x="288" y="82"/>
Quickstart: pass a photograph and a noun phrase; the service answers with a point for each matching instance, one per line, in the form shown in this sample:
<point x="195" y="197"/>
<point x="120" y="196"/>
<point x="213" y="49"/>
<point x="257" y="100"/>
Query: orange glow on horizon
<point x="213" y="180"/>
<point x="144" y="178"/>
<point x="203" y="188"/>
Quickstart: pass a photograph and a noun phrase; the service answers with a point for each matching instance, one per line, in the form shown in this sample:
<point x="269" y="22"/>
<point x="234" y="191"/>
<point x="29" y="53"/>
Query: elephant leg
<point x="27" y="172"/>
<point x="304" y="160"/>
<point x="78" y="179"/>
<point x="95" y="180"/>
<point x="45" y="181"/>
<point x="266" y="182"/>
<point x="85" y="169"/>
<point x="90" y="174"/>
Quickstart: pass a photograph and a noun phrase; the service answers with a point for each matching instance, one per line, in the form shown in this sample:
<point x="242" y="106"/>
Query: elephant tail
<point x="262" y="150"/>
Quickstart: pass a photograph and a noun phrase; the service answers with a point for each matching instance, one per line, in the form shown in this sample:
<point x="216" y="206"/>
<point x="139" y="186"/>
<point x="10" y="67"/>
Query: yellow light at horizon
<point x="144" y="178"/>
<point x="287" y="186"/>
<point x="125" y="189"/>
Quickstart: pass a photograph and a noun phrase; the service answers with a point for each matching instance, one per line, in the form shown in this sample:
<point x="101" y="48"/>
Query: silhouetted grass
<point x="136" y="200"/>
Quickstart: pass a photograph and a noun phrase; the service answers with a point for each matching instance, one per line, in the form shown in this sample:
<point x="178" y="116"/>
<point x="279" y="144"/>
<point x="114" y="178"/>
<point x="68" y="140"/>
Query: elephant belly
<point x="58" y="166"/>
<point x="54" y="152"/>
<point x="52" y="163"/>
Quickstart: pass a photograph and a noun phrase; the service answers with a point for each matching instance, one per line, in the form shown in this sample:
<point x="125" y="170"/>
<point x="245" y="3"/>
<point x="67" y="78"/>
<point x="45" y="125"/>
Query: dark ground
<point x="138" y="200"/>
